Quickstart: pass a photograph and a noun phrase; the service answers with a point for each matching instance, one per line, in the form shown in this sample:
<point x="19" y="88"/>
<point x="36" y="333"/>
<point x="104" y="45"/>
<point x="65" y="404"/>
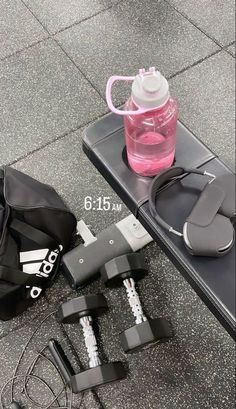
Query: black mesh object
<point x="36" y="227"/>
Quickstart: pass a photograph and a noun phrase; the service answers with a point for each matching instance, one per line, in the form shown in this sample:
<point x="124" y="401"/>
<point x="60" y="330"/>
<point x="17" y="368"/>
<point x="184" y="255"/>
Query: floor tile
<point x="43" y="96"/>
<point x="215" y="18"/>
<point x="231" y="49"/>
<point x="56" y="15"/>
<point x="18" y="28"/>
<point x="206" y="98"/>
<point x="130" y="36"/>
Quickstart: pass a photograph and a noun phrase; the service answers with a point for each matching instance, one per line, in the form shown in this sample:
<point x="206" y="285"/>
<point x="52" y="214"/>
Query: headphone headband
<point x="161" y="179"/>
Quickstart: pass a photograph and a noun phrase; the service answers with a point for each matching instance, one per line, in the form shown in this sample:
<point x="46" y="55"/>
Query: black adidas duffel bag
<point x="36" y="228"/>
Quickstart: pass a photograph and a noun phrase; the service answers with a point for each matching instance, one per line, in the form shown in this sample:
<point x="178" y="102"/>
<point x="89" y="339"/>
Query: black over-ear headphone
<point x="208" y="230"/>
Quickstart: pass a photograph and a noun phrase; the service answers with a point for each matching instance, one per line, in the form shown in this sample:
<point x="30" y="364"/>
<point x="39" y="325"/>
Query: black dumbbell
<point x="81" y="310"/>
<point x="126" y="270"/>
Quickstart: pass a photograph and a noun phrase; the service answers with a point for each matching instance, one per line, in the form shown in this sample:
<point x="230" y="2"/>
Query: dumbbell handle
<point x="61" y="360"/>
<point x="90" y="341"/>
<point x="134" y="300"/>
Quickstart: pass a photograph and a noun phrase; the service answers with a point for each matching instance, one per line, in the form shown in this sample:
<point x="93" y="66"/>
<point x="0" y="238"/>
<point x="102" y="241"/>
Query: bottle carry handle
<point x="110" y="83"/>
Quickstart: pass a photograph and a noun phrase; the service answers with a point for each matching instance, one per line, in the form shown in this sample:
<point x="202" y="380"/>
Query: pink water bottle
<point x="150" y="119"/>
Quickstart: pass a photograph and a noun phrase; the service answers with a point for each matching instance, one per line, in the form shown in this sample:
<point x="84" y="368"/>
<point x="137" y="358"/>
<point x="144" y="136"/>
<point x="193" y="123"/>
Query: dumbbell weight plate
<point x="98" y="376"/>
<point x="71" y="311"/>
<point x="115" y="271"/>
<point x="145" y="335"/>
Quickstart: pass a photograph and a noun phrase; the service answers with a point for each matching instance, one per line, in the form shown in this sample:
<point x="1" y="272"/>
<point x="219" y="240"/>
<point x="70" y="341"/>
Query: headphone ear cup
<point x="206" y="232"/>
<point x="214" y="240"/>
<point x="227" y="184"/>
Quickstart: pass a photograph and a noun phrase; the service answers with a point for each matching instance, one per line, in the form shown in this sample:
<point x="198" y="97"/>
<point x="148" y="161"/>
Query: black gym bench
<point x="213" y="279"/>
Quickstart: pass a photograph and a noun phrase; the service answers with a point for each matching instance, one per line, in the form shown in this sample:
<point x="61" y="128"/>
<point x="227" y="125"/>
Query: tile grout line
<point x="59" y="45"/>
<point x="86" y="18"/>
<point x="194" y="64"/>
<point x="79" y="69"/>
<point x="73" y="24"/>
<point x="64" y="135"/>
<point x="24" y="49"/>
<point x="51" y="35"/>
<point x="229" y="45"/>
<point x="60" y="137"/>
<point x="230" y="53"/>
<point x="31" y="12"/>
<point x="225" y="48"/>
<point x="193" y="23"/>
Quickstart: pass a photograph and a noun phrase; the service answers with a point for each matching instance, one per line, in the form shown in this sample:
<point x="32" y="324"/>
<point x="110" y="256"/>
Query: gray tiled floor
<point x="47" y="97"/>
<point x="231" y="49"/>
<point x="43" y="96"/>
<point x="110" y="43"/>
<point x="57" y="15"/>
<point x="215" y="18"/>
<point x="207" y="91"/>
<point x="18" y="28"/>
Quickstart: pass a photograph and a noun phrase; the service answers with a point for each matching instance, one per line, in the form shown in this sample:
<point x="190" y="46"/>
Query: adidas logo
<point x="40" y="263"/>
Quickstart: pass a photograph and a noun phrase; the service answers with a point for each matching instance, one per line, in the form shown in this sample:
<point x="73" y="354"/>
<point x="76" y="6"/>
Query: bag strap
<point x="35" y="235"/>
<point x="18" y="277"/>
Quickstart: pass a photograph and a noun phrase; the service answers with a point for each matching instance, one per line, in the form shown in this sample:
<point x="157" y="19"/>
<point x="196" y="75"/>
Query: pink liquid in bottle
<point x="151" y="138"/>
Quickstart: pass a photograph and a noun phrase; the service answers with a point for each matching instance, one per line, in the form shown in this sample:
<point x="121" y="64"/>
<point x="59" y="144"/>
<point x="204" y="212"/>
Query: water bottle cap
<point x="150" y="89"/>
